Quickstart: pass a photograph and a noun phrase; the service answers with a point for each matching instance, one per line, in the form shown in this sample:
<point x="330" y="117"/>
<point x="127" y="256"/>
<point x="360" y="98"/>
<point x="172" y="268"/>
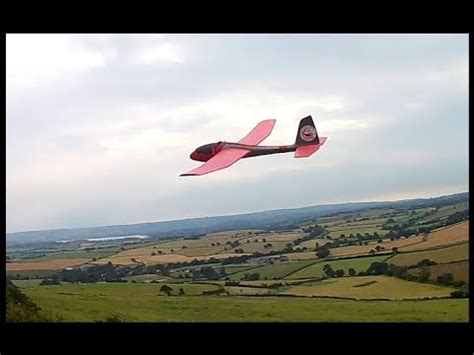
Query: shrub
<point x="459" y="294"/>
<point x="213" y="292"/>
<point x="52" y="281"/>
<point x="445" y="279"/>
<point x="252" y="277"/>
<point x="323" y="252"/>
<point x="377" y="268"/>
<point x="424" y="275"/>
<point x="112" y="319"/>
<point x="232" y="283"/>
<point x="425" y="262"/>
<point x="166" y="289"/>
<point x="275" y="286"/>
<point x="458" y="283"/>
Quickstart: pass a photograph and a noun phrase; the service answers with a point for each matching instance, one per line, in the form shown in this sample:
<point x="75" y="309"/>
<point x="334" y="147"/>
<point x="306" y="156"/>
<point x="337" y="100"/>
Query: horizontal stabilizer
<point x="305" y="151"/>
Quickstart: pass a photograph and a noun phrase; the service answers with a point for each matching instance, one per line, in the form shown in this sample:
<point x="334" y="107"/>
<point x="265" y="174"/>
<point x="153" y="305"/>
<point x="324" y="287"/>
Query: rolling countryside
<point x="408" y="262"/>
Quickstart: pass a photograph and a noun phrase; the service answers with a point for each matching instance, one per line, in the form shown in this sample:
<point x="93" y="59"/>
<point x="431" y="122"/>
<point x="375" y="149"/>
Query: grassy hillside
<point x="387" y="244"/>
<point x="443" y="255"/>
<point x="97" y="253"/>
<point x="148" y="278"/>
<point x="459" y="270"/>
<point x="207" y="287"/>
<point x="316" y="270"/>
<point x="278" y="270"/>
<point x="456" y="233"/>
<point x="369" y="287"/>
<point x="142" y="302"/>
<point x="55" y="264"/>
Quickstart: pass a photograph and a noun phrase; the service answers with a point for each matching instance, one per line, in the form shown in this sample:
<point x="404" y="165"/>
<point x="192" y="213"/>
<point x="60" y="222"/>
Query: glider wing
<point x="221" y="160"/>
<point x="259" y="133"/>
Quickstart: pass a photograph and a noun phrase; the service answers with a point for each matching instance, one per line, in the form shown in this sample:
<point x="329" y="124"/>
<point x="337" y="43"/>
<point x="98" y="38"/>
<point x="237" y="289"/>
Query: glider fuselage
<point x="207" y="151"/>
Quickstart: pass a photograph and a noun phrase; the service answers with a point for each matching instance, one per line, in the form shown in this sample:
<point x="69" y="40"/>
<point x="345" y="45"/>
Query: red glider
<point x="221" y="155"/>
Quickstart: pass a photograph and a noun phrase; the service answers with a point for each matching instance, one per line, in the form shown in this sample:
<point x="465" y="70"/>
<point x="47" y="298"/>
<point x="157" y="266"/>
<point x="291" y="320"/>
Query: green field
<point x="143" y="303"/>
<point x="27" y="283"/>
<point x="316" y="270"/>
<point x="278" y="270"/>
<point x="98" y="253"/>
<point x="246" y="291"/>
<point x="147" y="278"/>
<point x="232" y="269"/>
<point x="205" y="242"/>
<point x="369" y="287"/>
<point x="441" y="255"/>
<point x="229" y="269"/>
<point x="336" y="231"/>
<point x="445" y="211"/>
<point x="266" y="283"/>
<point x="273" y="237"/>
<point x="182" y="270"/>
<point x="259" y="247"/>
<point x="459" y="270"/>
<point x="200" y="251"/>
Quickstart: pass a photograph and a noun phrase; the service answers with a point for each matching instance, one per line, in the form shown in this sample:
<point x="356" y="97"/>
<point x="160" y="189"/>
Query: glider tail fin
<point x="307" y="133"/>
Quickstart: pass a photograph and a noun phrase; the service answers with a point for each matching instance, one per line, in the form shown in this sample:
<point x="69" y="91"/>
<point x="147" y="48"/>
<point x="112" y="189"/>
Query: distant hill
<point x="259" y="220"/>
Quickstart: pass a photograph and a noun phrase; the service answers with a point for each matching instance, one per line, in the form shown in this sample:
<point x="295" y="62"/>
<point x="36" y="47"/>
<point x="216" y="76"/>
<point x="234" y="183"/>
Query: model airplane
<point x="221" y="155"/>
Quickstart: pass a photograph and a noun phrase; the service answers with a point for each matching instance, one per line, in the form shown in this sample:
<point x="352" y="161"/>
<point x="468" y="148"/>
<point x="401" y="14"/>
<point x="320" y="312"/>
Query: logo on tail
<point x="308" y="133"/>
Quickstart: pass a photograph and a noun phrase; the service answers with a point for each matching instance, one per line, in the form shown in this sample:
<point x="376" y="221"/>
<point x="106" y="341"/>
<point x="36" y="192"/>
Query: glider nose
<point x="198" y="156"/>
<point x="194" y="155"/>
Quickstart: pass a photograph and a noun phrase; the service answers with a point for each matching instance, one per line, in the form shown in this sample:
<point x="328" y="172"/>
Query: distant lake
<point x="114" y="238"/>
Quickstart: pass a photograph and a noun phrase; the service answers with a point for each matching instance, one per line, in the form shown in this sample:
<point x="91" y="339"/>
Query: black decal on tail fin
<point x="307" y="134"/>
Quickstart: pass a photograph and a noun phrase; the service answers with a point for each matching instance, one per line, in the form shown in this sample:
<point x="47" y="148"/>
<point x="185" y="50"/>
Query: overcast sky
<point x="100" y="126"/>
